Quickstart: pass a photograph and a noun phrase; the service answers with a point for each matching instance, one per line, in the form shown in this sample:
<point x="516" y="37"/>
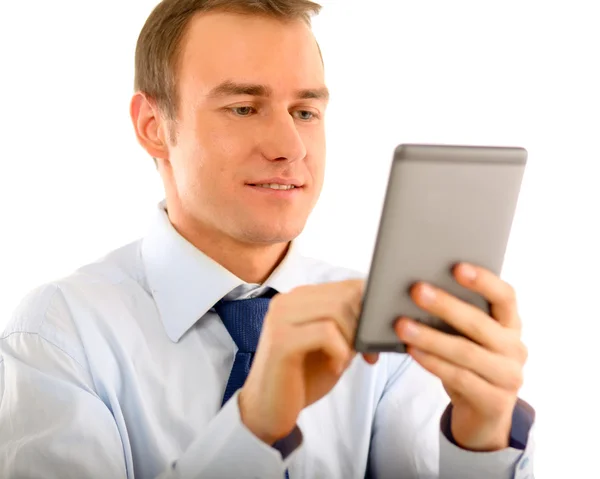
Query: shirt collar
<point x="185" y="283"/>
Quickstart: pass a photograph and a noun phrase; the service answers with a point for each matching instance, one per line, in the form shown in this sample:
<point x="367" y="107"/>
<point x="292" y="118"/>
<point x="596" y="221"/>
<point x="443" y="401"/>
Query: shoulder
<point x="51" y="310"/>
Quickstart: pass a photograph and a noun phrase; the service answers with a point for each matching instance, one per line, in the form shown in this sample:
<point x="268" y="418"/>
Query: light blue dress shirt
<point x="118" y="370"/>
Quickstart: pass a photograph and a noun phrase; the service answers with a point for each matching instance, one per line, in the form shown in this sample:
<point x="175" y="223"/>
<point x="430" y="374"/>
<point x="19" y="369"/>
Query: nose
<point x="282" y="141"/>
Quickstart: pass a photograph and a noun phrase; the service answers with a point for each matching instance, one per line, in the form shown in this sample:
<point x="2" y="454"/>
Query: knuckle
<point x="469" y="351"/>
<point x="509" y="295"/>
<point x="476" y="328"/>
<point x="522" y="352"/>
<point x="516" y="380"/>
<point x="340" y="309"/>
<point x="517" y="324"/>
<point x="461" y="378"/>
<point x="329" y="330"/>
<point x="354" y="301"/>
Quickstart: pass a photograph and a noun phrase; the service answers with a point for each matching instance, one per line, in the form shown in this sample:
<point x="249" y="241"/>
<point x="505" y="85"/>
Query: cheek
<point x="226" y="140"/>
<point x="211" y="154"/>
<point x="224" y="156"/>
<point x="315" y="147"/>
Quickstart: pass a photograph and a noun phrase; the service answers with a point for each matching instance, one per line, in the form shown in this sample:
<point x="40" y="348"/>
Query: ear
<point x="149" y="126"/>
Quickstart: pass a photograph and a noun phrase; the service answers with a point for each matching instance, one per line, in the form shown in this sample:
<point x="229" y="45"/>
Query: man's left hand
<point x="483" y="374"/>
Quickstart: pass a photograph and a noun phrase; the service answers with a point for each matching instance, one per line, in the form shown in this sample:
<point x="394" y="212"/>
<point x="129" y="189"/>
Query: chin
<point x="271" y="234"/>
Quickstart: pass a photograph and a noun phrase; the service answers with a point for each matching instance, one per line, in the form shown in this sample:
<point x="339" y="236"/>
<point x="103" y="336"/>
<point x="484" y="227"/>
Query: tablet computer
<point x="444" y="204"/>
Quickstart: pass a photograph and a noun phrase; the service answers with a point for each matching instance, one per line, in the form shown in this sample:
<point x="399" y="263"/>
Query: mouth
<point x="275" y="186"/>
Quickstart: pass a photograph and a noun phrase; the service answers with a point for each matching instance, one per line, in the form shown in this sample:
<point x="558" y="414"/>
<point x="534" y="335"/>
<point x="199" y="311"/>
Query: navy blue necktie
<point x="243" y="319"/>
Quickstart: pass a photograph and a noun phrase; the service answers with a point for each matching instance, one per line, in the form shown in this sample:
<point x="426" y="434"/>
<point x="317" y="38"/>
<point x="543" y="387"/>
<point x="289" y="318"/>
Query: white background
<point x="74" y="184"/>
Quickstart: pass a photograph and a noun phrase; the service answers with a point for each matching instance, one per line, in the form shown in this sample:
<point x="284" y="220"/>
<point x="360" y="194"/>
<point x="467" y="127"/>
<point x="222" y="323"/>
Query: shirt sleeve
<point x="228" y="449"/>
<point x="408" y="441"/>
<point x="53" y="425"/>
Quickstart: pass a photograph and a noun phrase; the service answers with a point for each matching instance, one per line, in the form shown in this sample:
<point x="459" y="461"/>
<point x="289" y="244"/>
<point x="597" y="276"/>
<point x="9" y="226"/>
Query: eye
<point x="305" y="115"/>
<point x="243" y="110"/>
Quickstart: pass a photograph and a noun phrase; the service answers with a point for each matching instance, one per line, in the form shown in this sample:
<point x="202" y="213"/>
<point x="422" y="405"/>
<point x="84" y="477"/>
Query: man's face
<point x="251" y="113"/>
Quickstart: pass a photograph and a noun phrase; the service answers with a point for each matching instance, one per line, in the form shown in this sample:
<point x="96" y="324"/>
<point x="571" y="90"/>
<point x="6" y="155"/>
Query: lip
<point x="277" y="194"/>
<point x="279" y="181"/>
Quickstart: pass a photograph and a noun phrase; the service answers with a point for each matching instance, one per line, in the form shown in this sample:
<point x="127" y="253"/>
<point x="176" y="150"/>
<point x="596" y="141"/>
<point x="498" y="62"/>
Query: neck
<point x="251" y="263"/>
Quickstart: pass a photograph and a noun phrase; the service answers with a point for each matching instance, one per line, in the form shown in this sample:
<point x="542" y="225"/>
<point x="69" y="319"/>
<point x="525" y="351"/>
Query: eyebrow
<point x="230" y="88"/>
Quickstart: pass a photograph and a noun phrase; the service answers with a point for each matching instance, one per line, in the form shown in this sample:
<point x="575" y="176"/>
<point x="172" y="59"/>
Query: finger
<point x="338" y="301"/>
<point x="499" y="370"/>
<point x="371" y="358"/>
<point x="501" y="295"/>
<point x="322" y="336"/>
<point x="464" y="317"/>
<point x="480" y="394"/>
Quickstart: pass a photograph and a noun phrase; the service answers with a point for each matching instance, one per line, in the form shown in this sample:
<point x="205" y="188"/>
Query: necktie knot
<point x="243" y="319"/>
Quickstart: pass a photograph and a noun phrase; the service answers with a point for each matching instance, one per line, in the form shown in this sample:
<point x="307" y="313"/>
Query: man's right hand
<point x="304" y="347"/>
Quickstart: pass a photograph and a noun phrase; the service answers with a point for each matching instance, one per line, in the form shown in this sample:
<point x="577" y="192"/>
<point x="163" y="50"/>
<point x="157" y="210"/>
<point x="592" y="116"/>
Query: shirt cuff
<point x="289" y="444"/>
<point x="228" y="449"/>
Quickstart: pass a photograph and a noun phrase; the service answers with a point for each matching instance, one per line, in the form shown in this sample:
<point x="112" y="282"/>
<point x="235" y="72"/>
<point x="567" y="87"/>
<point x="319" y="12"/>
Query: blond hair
<point x="159" y="44"/>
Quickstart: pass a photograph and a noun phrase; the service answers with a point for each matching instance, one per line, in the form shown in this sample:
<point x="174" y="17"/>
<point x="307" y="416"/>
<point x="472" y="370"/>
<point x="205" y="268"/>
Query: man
<point x="138" y="365"/>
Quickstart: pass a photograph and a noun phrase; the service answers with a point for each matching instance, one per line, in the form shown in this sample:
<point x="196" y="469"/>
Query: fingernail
<point x="427" y="293"/>
<point x="410" y="330"/>
<point x="468" y="272"/>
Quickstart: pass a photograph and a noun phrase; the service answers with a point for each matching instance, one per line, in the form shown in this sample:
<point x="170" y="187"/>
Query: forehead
<point x="255" y="49"/>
